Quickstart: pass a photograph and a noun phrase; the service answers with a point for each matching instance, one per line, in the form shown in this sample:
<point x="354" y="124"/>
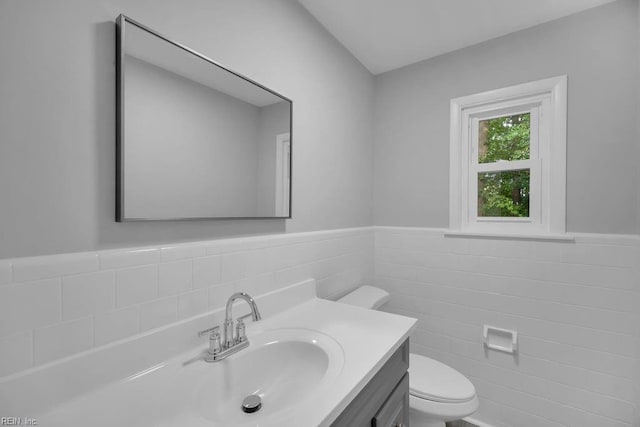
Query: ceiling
<point x="386" y="34"/>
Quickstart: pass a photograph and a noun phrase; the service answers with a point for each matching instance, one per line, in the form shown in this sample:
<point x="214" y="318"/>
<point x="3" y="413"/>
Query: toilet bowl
<point x="437" y="392"/>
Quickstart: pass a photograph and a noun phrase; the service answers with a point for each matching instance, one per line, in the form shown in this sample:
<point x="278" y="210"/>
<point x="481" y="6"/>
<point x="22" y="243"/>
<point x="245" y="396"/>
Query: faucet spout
<point x="255" y="313"/>
<point x="228" y="319"/>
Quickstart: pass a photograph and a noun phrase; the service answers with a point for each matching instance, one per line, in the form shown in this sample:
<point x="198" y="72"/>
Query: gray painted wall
<point x="57" y="117"/>
<point x="597" y="49"/>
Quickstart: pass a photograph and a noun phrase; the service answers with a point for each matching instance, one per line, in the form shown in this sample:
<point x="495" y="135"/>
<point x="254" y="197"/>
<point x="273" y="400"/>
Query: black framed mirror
<point x="195" y="140"/>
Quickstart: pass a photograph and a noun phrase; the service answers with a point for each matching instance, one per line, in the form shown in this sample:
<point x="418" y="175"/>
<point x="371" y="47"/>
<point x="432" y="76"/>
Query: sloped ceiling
<point x="386" y="34"/>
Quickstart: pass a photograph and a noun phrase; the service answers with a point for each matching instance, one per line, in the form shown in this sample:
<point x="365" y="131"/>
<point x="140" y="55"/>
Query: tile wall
<point x="57" y="306"/>
<point x="574" y="306"/>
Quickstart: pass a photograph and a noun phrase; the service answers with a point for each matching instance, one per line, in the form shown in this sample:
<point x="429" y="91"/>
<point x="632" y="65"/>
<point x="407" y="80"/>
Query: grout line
<point x="625" y="335"/>
<point x="489" y="276"/>
<point x="457" y="354"/>
<point x="542" y="358"/>
<point x="532" y="258"/>
<point x="542" y="339"/>
<point x="517" y="316"/>
<point x="537" y="396"/>
<point x="567" y="405"/>
<point x="533" y="262"/>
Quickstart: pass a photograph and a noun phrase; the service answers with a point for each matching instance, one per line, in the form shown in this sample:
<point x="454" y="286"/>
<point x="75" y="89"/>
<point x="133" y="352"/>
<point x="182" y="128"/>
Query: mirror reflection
<point x="195" y="139"/>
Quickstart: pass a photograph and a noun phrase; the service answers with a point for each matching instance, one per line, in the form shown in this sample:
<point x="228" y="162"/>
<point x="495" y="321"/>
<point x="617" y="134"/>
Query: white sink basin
<point x="284" y="367"/>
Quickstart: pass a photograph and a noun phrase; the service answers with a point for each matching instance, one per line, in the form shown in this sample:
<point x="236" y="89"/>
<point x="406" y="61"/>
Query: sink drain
<point x="251" y="404"/>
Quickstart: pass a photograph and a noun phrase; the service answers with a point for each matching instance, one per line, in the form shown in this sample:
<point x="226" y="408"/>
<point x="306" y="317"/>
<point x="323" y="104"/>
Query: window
<point x="508" y="160"/>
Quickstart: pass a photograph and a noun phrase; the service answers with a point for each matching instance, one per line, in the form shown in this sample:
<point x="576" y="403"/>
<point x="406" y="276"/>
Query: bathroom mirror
<point x="195" y="140"/>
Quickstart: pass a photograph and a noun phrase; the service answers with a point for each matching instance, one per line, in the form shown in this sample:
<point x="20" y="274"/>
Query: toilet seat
<point x="425" y="411"/>
<point x="437" y="382"/>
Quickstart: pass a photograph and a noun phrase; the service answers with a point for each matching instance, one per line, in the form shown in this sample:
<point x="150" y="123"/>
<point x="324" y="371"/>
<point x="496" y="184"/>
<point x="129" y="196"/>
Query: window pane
<point x="504" y="138"/>
<point x="503" y="194"/>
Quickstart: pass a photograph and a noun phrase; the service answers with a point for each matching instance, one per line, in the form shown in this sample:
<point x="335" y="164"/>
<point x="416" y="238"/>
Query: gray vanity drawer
<point x="370" y="401"/>
<point x="395" y="411"/>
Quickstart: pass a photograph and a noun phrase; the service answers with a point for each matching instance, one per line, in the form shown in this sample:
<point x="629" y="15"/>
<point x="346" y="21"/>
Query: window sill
<point x="511" y="236"/>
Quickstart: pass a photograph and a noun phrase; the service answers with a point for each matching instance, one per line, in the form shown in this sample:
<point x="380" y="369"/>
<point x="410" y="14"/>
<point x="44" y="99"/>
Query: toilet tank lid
<point x="367" y="297"/>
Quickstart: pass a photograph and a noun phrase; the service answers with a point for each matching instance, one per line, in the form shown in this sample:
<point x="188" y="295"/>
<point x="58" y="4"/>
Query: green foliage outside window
<point x="504" y="194"/>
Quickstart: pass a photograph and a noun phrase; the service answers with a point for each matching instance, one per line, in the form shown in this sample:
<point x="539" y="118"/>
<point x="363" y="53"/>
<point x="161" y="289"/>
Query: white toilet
<point x="438" y="393"/>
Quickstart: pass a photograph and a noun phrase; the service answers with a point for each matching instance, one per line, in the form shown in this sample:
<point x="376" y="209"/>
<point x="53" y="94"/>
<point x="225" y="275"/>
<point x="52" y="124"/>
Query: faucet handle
<point x="214" y="343"/>
<point x="240" y="328"/>
<point x="214" y="331"/>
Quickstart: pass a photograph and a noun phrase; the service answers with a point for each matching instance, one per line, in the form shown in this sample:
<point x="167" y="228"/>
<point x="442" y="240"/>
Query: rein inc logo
<point x="18" y="421"/>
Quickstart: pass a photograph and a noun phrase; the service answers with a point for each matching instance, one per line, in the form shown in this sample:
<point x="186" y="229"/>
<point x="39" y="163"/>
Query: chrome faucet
<point x="228" y="319"/>
<point x="230" y="344"/>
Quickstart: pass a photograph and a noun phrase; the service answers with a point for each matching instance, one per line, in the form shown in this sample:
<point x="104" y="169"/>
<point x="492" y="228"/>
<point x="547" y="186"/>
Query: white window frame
<point x="546" y="100"/>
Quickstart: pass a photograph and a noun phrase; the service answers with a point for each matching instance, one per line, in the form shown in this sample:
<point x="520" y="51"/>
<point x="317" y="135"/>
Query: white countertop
<point x="368" y="338"/>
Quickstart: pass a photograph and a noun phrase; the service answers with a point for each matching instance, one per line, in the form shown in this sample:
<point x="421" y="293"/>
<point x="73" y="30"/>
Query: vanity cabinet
<point x="384" y="401"/>
<point x="395" y="411"/>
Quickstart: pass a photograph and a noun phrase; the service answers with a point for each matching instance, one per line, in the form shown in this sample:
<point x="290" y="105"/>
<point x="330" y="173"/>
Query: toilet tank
<point x="366" y="297"/>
